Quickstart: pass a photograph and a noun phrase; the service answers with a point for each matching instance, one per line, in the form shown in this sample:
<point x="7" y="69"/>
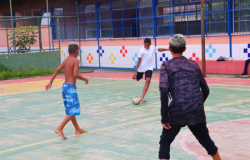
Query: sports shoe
<point x="244" y="73"/>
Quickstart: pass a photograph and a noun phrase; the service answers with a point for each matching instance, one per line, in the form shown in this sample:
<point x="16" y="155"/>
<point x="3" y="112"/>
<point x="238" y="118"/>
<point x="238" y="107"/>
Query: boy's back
<point x="69" y="67"/>
<point x="185" y="80"/>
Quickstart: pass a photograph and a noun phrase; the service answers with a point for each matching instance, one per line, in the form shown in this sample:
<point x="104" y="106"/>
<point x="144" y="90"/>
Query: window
<point x="3" y="23"/>
<point x="164" y="21"/>
<point x="90" y="25"/>
<point x="217" y="23"/>
<point x="242" y="18"/>
<point x="146" y="20"/>
<point x="180" y="16"/>
<point x="28" y="21"/>
<point x="105" y="17"/>
<point x="124" y="16"/>
<point x="136" y="18"/>
<point x="68" y="25"/>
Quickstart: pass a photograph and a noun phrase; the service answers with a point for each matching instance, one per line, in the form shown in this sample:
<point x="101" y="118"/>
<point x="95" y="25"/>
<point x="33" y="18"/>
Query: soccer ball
<point x="136" y="100"/>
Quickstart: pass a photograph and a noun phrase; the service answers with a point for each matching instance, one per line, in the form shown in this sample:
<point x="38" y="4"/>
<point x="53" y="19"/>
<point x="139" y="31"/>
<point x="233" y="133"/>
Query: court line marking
<point x="128" y="79"/>
<point x="229" y="85"/>
<point x="158" y="81"/>
<point x="53" y="88"/>
<point x="227" y="104"/>
<point x="183" y="137"/>
<point x="31" y="81"/>
<point x="13" y="149"/>
<point x="232" y="88"/>
<point x="110" y="83"/>
<point x="34" y="144"/>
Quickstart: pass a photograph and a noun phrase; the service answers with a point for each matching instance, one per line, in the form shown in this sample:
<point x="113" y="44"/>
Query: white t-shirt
<point x="147" y="58"/>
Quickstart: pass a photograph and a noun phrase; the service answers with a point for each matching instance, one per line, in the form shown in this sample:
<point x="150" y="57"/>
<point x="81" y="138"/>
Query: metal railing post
<point x="203" y="38"/>
<point x="13" y="40"/>
<point x="47" y="4"/>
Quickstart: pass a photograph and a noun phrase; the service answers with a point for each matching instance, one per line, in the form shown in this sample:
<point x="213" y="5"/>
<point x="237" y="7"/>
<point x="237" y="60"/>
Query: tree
<point x="24" y="37"/>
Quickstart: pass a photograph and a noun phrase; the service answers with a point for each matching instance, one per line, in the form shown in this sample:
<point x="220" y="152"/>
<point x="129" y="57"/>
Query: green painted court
<point x="117" y="128"/>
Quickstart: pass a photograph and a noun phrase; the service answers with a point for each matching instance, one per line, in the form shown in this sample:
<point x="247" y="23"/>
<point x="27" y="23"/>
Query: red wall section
<point x="224" y="67"/>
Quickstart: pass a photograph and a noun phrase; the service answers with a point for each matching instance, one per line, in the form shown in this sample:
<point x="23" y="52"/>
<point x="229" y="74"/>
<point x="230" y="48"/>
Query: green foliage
<point x="3" y="68"/>
<point x="27" y="72"/>
<point x="24" y="36"/>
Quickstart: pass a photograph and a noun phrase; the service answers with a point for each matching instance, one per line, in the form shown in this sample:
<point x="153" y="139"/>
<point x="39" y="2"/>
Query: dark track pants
<point x="246" y="65"/>
<point x="200" y="131"/>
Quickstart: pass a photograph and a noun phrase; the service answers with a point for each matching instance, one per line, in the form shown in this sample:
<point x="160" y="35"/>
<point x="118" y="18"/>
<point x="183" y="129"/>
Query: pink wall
<point x="45" y="37"/>
<point x="164" y="41"/>
<point x="3" y="41"/>
<point x="225" y="67"/>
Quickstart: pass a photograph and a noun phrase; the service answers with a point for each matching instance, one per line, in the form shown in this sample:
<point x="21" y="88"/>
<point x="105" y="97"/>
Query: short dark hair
<point x="177" y="50"/>
<point x="147" y="40"/>
<point x="73" y="47"/>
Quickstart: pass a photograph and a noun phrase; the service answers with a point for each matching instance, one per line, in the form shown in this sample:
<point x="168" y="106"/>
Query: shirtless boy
<point x="69" y="94"/>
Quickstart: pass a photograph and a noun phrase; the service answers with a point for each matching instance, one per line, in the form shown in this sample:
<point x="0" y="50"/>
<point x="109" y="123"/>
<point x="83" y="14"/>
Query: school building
<point x="112" y="32"/>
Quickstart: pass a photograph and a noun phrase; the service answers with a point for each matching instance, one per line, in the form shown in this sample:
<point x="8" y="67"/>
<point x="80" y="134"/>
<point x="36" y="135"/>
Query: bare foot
<point x="80" y="131"/>
<point x="60" y="133"/>
<point x="143" y="100"/>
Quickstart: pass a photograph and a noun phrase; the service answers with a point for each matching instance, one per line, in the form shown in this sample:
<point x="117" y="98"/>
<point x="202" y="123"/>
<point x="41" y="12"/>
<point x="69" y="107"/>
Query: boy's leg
<point x="167" y="137"/>
<point x="78" y="129"/>
<point x="59" y="129"/>
<point x="200" y="131"/>
<point x="246" y="66"/>
<point x="139" y="75"/>
<point x="148" y="76"/>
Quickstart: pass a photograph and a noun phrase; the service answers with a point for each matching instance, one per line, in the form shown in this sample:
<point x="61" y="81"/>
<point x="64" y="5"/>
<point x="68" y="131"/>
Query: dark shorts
<point x="200" y="132"/>
<point x="148" y="74"/>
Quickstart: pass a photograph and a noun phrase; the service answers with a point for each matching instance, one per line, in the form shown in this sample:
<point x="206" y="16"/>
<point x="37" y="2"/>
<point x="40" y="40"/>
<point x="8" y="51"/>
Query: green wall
<point x="41" y="60"/>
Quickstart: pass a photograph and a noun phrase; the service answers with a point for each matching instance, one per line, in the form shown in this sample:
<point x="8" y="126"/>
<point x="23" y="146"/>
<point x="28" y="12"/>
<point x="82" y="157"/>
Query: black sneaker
<point x="244" y="73"/>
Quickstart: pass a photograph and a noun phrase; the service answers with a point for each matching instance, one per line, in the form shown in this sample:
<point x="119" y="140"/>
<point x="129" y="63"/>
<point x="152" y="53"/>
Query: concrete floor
<point x="117" y="128"/>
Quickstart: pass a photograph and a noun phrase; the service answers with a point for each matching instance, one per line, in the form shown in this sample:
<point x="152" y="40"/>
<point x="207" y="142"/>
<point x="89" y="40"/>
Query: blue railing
<point x="126" y="19"/>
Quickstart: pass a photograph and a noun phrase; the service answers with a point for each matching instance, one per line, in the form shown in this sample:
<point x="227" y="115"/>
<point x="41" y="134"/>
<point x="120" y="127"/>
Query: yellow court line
<point x="34" y="144"/>
<point x="36" y="86"/>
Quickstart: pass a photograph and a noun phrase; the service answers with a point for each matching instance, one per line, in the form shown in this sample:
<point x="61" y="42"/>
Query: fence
<point x="67" y="20"/>
<point x="28" y="28"/>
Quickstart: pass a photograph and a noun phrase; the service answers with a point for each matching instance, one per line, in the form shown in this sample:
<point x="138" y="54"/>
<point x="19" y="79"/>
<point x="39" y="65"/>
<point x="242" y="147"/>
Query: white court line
<point x="47" y="115"/>
<point x="228" y="85"/>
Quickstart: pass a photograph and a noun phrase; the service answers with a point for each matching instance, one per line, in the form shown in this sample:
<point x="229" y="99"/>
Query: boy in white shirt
<point x="145" y="64"/>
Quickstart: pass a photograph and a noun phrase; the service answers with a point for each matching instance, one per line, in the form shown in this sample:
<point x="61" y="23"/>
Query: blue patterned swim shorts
<point x="70" y="100"/>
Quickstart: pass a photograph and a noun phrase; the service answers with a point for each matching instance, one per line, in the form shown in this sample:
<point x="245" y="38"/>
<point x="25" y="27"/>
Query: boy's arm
<point x="77" y="75"/>
<point x="162" y="49"/>
<point x="164" y="86"/>
<point x="137" y="66"/>
<point x="48" y="86"/>
<point x="204" y="87"/>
